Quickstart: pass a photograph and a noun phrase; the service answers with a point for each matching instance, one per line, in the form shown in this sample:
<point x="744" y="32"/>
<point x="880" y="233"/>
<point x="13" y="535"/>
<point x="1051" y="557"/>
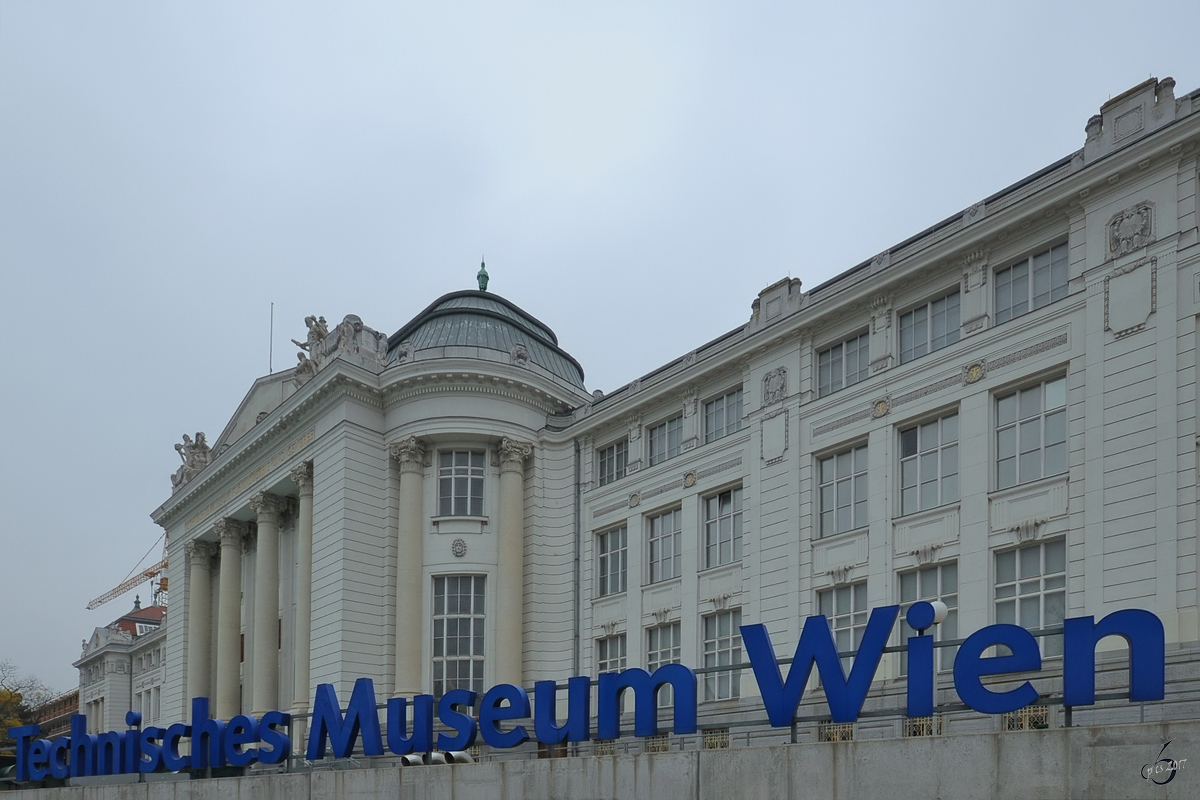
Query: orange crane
<point x="148" y="574"/>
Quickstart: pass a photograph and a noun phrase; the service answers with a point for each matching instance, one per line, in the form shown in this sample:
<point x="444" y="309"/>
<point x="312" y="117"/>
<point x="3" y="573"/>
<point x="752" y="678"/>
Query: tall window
<point x="723" y="415"/>
<point x="662" y="647"/>
<point x="722" y="647"/>
<point x="665" y="440"/>
<point x="610" y="654"/>
<point x="611" y="461"/>
<point x="929" y="327"/>
<point x="931" y="583"/>
<point x="1031" y="433"/>
<point x="723" y="528"/>
<point x="929" y="464"/>
<point x="613" y="560"/>
<point x="1031" y="283"/>
<point x="846" y="609"/>
<point x="457" y="633"/>
<point x="460" y="483"/>
<point x="843" y="491"/>
<point x="1031" y="589"/>
<point x="665" y="534"/>
<point x="844" y="364"/>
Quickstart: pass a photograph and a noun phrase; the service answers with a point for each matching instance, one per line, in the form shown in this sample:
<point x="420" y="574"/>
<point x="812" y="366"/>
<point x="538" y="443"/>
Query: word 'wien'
<point x="245" y="740"/>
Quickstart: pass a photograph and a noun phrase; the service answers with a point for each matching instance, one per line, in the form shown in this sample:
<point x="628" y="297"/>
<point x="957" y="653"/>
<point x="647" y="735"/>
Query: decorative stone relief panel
<point x="773" y="433"/>
<point x="842" y="550"/>
<point x="1136" y="285"/>
<point x="938" y="528"/>
<point x="1045" y="501"/>
<point x="1131" y="229"/>
<point x="727" y="580"/>
<point x="774" y="386"/>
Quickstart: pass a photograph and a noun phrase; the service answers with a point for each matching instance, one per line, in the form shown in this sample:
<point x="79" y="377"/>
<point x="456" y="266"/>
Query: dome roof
<point x="481" y="320"/>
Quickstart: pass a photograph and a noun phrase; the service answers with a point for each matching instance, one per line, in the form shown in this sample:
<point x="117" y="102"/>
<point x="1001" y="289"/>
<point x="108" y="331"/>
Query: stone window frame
<point x="721" y="404"/>
<point x="1059" y="276"/>
<point x="475" y="476"/>
<point x="612" y="561"/>
<point x="844" y="378"/>
<point x="925" y="313"/>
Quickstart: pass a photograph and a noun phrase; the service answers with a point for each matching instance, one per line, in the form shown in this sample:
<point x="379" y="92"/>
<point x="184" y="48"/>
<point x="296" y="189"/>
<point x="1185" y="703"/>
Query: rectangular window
<point x="723" y="528"/>
<point x="1031" y="283"/>
<point x="723" y="415"/>
<point x="613" y="561"/>
<point x="846" y="609"/>
<point x="843" y="491"/>
<point x="928" y="327"/>
<point x="611" y="462"/>
<point x="931" y="583"/>
<point x="460" y="483"/>
<point x="844" y="364"/>
<point x="1031" y="589"/>
<point x="662" y="647"/>
<point x="610" y="654"/>
<point x="458" y="645"/>
<point x="1031" y="433"/>
<point x="929" y="464"/>
<point x="665" y="440"/>
<point x="723" y="647"/>
<point x="665" y="535"/>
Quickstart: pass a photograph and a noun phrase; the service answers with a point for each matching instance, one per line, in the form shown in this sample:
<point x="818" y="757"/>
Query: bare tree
<point x="19" y="696"/>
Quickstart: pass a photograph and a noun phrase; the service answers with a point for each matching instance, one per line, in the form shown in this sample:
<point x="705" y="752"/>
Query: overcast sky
<point x="635" y="174"/>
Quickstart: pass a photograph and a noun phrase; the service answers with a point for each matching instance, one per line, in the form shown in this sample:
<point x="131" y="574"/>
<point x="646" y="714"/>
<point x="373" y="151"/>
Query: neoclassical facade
<point x="999" y="412"/>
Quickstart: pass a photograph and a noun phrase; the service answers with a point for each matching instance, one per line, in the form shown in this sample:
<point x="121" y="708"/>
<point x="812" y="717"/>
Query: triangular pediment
<point x="265" y="395"/>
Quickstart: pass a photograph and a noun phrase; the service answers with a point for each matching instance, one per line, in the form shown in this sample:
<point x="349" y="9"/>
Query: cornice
<point x="475" y="382"/>
<point x="331" y="385"/>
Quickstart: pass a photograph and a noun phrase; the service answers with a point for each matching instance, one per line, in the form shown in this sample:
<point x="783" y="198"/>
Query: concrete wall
<point x="1102" y="761"/>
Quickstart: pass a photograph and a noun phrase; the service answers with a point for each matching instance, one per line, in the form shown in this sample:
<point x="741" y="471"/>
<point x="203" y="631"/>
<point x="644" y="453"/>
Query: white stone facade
<point x="122" y="668"/>
<point x="1001" y="410"/>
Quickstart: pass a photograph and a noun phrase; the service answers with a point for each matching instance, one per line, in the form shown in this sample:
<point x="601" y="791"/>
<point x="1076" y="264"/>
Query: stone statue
<point x="314" y="344"/>
<point x="306" y="370"/>
<point x="195" y="455"/>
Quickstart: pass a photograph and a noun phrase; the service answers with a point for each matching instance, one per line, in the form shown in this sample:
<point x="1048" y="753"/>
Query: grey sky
<point x="635" y="174"/>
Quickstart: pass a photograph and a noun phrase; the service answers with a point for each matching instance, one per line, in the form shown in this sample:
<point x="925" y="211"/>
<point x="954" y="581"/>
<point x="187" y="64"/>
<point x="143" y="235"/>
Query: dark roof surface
<point x="488" y="321"/>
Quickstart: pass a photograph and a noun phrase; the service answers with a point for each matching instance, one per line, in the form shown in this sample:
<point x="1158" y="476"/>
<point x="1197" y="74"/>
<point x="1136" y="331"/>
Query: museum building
<point x="999" y="412"/>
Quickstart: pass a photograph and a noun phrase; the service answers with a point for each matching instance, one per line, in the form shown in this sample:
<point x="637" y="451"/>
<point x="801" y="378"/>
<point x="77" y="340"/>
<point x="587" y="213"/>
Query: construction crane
<point x="134" y="578"/>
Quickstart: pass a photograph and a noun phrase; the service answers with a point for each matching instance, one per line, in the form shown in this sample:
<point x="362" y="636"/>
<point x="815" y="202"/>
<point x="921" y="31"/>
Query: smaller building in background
<point x="54" y="715"/>
<point x="121" y="668"/>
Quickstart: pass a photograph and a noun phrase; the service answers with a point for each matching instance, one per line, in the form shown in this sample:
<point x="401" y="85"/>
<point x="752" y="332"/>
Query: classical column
<point x="229" y="619"/>
<point x="199" y="629"/>
<point x="303" y="478"/>
<point x="410" y="565"/>
<point x="266" y="604"/>
<point x="510" y="569"/>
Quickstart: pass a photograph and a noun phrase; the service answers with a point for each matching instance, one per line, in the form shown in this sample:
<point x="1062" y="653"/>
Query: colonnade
<point x="233" y="536"/>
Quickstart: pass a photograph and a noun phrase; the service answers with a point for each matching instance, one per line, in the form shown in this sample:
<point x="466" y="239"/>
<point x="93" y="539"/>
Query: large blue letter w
<point x="845" y="695"/>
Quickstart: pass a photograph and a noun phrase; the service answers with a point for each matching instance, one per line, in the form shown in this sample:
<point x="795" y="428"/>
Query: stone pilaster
<point x="268" y="508"/>
<point x="229" y="620"/>
<point x="410" y="563"/>
<point x="199" y="631"/>
<point x="303" y="478"/>
<point x="510" y="570"/>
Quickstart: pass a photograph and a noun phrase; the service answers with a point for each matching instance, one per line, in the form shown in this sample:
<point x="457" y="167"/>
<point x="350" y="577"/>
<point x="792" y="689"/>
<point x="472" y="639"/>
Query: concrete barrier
<point x="1093" y="762"/>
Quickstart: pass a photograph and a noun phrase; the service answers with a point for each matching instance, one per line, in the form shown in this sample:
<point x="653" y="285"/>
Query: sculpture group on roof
<point x="350" y="337"/>
<point x="195" y="455"/>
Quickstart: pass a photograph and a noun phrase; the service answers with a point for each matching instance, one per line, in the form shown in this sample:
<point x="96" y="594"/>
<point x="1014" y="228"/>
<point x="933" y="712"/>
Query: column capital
<point x="200" y="552"/>
<point x="267" y="507"/>
<point x="302" y="475"/>
<point x="230" y="532"/>
<point x="410" y="453"/>
<point x="513" y="453"/>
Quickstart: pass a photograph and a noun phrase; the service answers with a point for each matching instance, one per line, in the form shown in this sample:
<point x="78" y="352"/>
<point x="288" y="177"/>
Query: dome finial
<point x="482" y="275"/>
